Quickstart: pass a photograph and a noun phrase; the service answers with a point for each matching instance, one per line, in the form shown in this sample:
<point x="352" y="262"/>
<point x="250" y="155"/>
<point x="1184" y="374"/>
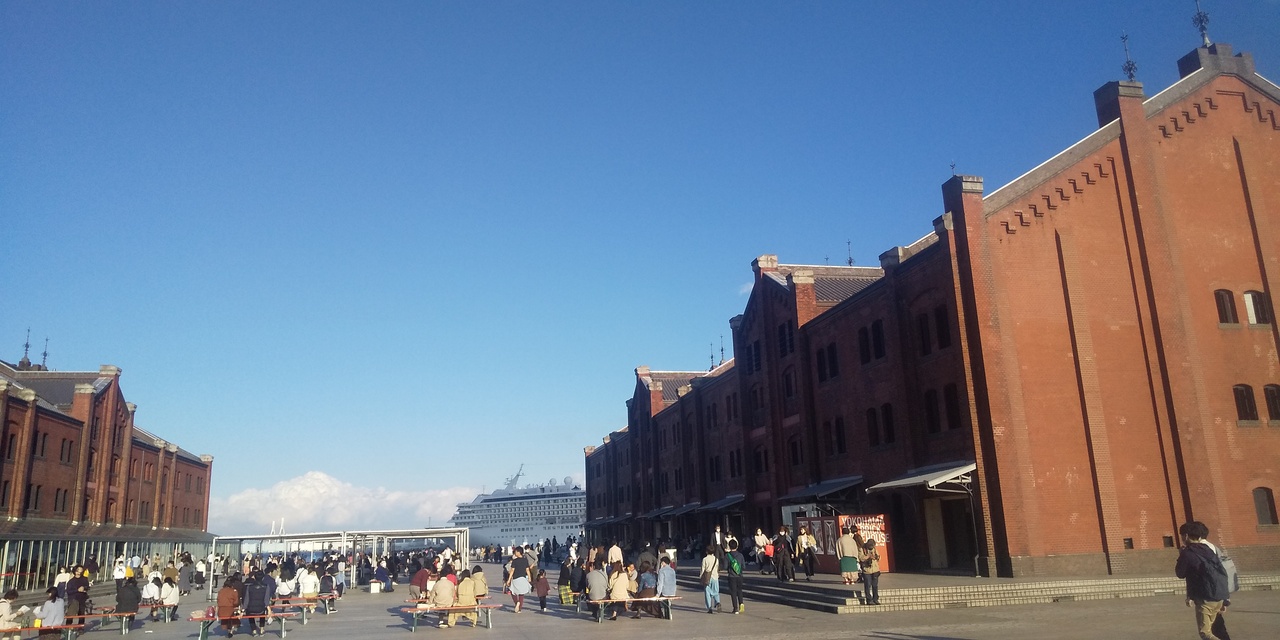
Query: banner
<point x="826" y="531"/>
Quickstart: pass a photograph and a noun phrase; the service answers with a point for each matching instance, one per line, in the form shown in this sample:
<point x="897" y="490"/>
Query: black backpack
<point x="255" y="599"/>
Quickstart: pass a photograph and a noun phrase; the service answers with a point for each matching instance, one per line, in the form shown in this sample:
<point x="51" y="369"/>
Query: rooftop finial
<point x="722" y="348"/>
<point x="953" y="168"/>
<point x="1201" y="22"/>
<point x="713" y="357"/>
<point x="26" y="346"/>
<point x="848" y="244"/>
<point x="44" y="357"/>
<point x="1130" y="68"/>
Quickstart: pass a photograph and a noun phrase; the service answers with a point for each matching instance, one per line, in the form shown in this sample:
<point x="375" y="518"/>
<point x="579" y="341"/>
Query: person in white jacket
<point x="9" y="616"/>
<point x="169" y="595"/>
<point x="308" y="586"/>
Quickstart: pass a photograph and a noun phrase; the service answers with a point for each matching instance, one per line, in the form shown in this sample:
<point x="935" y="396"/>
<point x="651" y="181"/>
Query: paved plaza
<point x="1254" y="614"/>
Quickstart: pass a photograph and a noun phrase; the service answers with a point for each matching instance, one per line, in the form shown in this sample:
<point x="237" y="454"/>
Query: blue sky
<point x="412" y="245"/>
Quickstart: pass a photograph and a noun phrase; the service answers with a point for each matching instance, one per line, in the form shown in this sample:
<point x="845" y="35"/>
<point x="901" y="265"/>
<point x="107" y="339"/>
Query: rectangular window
<point x="877" y="338"/>
<point x="922" y="327"/>
<point x="864" y="346"/>
<point x="797" y="455"/>
<point x="4" y="494"/>
<point x="755" y="356"/>
<point x="932" y="420"/>
<point x="951" y="399"/>
<point x="942" y="325"/>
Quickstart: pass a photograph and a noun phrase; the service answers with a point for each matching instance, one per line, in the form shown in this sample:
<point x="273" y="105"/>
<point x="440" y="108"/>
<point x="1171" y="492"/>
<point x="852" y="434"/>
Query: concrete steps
<point x="979" y="592"/>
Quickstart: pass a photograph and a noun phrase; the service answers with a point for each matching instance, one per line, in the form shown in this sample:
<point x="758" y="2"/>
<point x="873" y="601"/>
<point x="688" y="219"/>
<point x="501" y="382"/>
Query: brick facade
<point x="70" y="451"/>
<point x="1096" y="339"/>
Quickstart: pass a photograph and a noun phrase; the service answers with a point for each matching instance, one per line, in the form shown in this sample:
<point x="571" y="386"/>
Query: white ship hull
<point x="519" y="516"/>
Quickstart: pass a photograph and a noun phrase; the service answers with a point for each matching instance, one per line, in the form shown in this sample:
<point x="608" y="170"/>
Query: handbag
<point x="768" y="550"/>
<point x="705" y="578"/>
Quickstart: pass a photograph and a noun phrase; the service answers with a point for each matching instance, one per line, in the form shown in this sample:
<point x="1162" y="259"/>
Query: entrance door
<point x="961" y="546"/>
<point x="936" y="533"/>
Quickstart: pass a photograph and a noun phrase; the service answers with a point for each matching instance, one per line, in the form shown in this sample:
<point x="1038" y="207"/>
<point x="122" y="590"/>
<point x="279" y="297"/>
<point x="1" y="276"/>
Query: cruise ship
<point x="524" y="515"/>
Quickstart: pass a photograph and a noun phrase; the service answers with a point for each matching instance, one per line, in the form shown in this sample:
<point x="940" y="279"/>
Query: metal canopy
<point x="821" y="489"/>
<point x="656" y="513"/>
<point x="723" y="503"/>
<point x="683" y="510"/>
<point x="933" y="478"/>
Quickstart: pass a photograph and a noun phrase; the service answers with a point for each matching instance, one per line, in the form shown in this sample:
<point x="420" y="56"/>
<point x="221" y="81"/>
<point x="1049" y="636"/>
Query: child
<point x="542" y="587"/>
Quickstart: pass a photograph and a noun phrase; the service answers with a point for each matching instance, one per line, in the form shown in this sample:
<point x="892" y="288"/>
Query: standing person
<point x="542" y="588"/>
<point x="118" y="572"/>
<point x="718" y="541"/>
<point x="77" y="593"/>
<point x="807" y="547"/>
<point x="710" y="576"/>
<point x="782" y="550"/>
<point x="1207" y="588"/>
<point x="735" y="564"/>
<point x="228" y="602"/>
<point x="60" y="582"/>
<point x="870" y="560"/>
<point x="761" y="541"/>
<point x="847" y="549"/>
<point x="201" y="567"/>
<point x="184" y="577"/>
<point x="666" y="577"/>
<point x="52" y="613"/>
<point x="518" y="583"/>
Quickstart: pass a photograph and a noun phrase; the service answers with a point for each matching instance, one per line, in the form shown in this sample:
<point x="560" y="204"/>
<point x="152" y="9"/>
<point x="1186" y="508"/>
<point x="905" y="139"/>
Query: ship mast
<point x="511" y="482"/>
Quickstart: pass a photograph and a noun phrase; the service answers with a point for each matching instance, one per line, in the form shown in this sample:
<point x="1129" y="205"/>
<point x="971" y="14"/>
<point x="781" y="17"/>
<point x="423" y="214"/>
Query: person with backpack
<point x="256" y="603"/>
<point x="735" y="563"/>
<point x="1207" y="590"/>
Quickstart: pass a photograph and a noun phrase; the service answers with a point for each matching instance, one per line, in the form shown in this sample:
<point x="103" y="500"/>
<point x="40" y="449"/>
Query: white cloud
<point x="317" y="501"/>
<point x="746" y="288"/>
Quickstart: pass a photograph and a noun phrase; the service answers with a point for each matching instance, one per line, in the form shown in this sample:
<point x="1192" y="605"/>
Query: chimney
<point x="1216" y="59"/>
<point x="1108" y="97"/>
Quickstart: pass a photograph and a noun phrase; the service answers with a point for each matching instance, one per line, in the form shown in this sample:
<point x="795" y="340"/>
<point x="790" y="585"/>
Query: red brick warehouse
<point x="1050" y="382"/>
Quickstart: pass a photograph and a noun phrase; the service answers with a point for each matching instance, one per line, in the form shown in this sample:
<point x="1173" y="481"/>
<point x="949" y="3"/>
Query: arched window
<point x="873" y="427"/>
<point x="1226" y="306"/>
<point x="1264" y="502"/>
<point x="1255" y="304"/>
<point x="1246" y="408"/>
<point x="1271" y="393"/>
<point x="886" y="422"/>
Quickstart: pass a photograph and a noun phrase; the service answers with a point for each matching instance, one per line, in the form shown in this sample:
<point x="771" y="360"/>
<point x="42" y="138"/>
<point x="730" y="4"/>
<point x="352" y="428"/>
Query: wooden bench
<point x="206" y="622"/>
<point x="106" y="617"/>
<point x="482" y="611"/>
<point x="664" y="604"/>
<point x="68" y="630"/>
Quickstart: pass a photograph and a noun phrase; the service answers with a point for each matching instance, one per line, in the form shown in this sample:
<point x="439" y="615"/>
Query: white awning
<point x="931" y="477"/>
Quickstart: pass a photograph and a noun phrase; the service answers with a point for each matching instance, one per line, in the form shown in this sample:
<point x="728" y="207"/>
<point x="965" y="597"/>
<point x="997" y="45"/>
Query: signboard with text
<point x="826" y="531"/>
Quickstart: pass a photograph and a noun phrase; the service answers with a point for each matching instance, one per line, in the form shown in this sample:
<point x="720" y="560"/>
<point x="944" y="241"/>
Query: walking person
<point x="870" y="560"/>
<point x="711" y="579"/>
<point x="735" y="564"/>
<point x="519" y="582"/>
<point x="1207" y="589"/>
<point x="782" y="555"/>
<point x="806" y="547"/>
<point x="762" y="543"/>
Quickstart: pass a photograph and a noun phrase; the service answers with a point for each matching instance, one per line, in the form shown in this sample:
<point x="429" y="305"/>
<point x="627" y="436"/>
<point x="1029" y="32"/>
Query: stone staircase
<point x="833" y="597"/>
